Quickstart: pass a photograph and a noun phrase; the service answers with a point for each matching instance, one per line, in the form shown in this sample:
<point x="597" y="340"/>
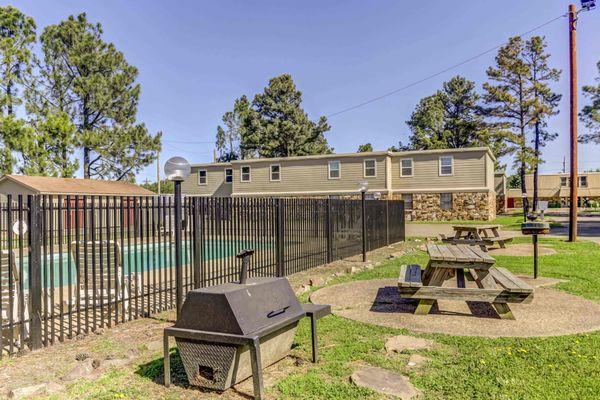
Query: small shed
<point x="31" y="185"/>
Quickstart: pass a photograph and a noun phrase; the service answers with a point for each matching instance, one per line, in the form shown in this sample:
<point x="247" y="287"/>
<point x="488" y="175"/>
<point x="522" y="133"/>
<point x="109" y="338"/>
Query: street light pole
<point x="177" y="170"/>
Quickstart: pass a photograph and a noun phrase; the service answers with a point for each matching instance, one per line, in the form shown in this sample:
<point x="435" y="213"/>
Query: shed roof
<point x="53" y="185"/>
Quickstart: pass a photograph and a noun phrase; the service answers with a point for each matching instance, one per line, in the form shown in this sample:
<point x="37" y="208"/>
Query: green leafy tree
<point x="229" y="135"/>
<point x="364" y="148"/>
<point x="510" y="103"/>
<point x="513" y="181"/>
<point x="545" y="101"/>
<point x="166" y="186"/>
<point x="590" y="114"/>
<point x="48" y="146"/>
<point x="91" y="81"/>
<point x="452" y="118"/>
<point x="17" y="36"/>
<point x="277" y="126"/>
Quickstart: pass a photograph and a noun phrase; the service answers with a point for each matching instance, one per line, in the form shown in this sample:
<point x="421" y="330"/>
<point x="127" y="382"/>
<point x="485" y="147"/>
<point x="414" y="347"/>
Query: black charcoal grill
<point x="227" y="333"/>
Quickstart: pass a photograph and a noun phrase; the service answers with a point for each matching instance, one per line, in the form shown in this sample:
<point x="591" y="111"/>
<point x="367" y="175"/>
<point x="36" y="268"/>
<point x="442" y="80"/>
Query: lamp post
<point x="524" y="198"/>
<point x="177" y="169"/>
<point x="363" y="187"/>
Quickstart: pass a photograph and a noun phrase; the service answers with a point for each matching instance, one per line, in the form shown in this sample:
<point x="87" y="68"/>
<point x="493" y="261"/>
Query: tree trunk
<point x="536" y="169"/>
<point x="86" y="163"/>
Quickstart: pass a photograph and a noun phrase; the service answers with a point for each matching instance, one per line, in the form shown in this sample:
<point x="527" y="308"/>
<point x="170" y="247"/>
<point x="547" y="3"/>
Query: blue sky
<point x="195" y="58"/>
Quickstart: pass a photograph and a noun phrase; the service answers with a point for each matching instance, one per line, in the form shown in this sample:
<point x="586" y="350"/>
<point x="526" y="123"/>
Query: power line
<point x="393" y="92"/>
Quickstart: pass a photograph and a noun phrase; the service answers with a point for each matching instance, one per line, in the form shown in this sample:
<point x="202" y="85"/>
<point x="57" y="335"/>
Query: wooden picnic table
<point x="494" y="284"/>
<point x="477" y="235"/>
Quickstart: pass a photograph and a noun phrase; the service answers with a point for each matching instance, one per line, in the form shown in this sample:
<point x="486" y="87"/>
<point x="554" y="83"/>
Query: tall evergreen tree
<point x="452" y="118"/>
<point x="228" y="137"/>
<point x="277" y="126"/>
<point x="91" y="81"/>
<point x="590" y="114"/>
<point x="510" y="103"/>
<point x="545" y="101"/>
<point x="17" y="36"/>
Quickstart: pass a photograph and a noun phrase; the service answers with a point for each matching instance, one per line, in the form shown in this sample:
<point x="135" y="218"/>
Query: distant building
<point x="555" y="188"/>
<point x="435" y="184"/>
<point x="29" y="185"/>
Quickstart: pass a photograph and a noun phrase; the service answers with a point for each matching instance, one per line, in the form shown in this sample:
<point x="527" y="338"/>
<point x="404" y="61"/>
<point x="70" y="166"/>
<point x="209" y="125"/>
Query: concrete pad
<point x="417" y="361"/>
<point x="521" y="249"/>
<point x="385" y="382"/>
<point x="552" y="312"/>
<point x="398" y="344"/>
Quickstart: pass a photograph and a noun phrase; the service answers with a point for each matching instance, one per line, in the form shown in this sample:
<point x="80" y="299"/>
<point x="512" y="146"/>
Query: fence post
<point x="329" y="232"/>
<point x="363" y="207"/>
<point x="197" y="247"/>
<point x="387" y="222"/>
<point x="279" y="236"/>
<point x="35" y="271"/>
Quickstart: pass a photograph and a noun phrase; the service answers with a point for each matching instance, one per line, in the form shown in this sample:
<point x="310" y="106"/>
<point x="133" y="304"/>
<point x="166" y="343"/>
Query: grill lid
<point x="239" y="308"/>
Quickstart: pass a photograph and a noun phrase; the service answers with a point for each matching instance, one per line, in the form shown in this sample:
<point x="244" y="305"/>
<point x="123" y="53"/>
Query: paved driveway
<point x="588" y="227"/>
<point x="434" y="230"/>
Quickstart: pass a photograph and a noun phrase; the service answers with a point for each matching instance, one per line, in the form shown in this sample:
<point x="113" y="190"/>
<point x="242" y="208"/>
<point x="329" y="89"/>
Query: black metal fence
<point x="73" y="264"/>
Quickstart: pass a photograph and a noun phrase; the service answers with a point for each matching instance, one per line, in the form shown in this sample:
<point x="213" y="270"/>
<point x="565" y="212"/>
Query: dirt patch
<point x="521" y="249"/>
<point x="552" y="312"/>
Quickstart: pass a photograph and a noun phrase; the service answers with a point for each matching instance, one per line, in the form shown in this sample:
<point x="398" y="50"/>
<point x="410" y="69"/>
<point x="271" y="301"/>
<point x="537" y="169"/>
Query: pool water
<point x="146" y="257"/>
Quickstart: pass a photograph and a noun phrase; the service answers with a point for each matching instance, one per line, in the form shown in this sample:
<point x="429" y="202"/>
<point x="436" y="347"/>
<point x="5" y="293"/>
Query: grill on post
<point x="226" y="333"/>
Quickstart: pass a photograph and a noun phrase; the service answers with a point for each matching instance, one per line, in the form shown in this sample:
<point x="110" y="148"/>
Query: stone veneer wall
<point x="465" y="206"/>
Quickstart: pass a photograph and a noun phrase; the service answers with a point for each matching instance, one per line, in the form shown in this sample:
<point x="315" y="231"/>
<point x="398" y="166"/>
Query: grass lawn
<point x="510" y="222"/>
<point x="564" y="367"/>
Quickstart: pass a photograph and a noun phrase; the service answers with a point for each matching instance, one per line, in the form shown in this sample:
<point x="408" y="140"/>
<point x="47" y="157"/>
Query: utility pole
<point x="573" y="120"/>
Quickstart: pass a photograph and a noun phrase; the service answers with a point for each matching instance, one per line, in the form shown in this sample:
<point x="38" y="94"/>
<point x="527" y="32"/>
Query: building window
<point x="406" y="167"/>
<point x="275" y="173"/>
<point x="334" y="170"/>
<point x="564" y="181"/>
<point x="228" y="175"/>
<point x="446" y="201"/>
<point x="408" y="201"/>
<point x="202" y="177"/>
<point x="583" y="181"/>
<point x="446" y="165"/>
<point x="370" y="169"/>
<point x="245" y="175"/>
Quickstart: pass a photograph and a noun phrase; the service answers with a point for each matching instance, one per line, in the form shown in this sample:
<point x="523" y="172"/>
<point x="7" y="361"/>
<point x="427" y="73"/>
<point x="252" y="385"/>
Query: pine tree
<point x="277" y="126"/>
<point x="228" y="138"/>
<point x="590" y="114"/>
<point x="91" y="81"/>
<point x="365" y="148"/>
<point x="510" y="103"/>
<point x="17" y="36"/>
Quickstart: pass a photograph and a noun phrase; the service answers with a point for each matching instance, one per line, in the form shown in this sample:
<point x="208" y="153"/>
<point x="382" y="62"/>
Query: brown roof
<point x="52" y="185"/>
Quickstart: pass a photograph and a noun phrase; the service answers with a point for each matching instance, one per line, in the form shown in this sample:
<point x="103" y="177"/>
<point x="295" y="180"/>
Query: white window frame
<point x="205" y="177"/>
<point x="225" y="175"/>
<point x="271" y="172"/>
<point x="451" y="201"/>
<point x="242" y="173"/>
<point x="412" y="168"/>
<point x="451" y="165"/>
<point x="365" y="168"/>
<point x="339" y="169"/>
<point x="566" y="180"/>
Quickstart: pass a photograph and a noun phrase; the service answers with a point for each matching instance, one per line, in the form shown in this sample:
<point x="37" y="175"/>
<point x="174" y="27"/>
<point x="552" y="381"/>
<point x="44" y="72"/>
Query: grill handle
<point x="245" y="256"/>
<point x="275" y="313"/>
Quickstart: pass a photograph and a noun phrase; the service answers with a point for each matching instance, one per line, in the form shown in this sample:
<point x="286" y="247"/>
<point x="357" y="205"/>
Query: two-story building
<point x="435" y="184"/>
<point x="555" y="188"/>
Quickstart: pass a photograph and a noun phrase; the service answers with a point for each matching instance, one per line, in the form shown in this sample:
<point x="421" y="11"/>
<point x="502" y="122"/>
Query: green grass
<point x="510" y="222"/>
<point x="564" y="367"/>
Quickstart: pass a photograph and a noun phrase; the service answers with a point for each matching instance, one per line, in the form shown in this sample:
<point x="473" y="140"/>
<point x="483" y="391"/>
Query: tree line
<point x="509" y="114"/>
<point x="68" y="92"/>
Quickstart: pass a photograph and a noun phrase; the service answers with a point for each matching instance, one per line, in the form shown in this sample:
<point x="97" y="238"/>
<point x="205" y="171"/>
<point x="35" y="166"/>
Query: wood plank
<point x="503" y="310"/>
<point x="410" y="276"/>
<point x="459" y="265"/>
<point x="485" y="257"/>
<point x="460" y="254"/>
<point x="424" y="307"/>
<point x="434" y="252"/>
<point x="463" y="294"/>
<point x="446" y="253"/>
<point x="510" y="281"/>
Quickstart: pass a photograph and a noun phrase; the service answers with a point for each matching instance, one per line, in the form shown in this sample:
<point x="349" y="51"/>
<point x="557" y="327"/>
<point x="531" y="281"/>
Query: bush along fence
<point x="72" y="264"/>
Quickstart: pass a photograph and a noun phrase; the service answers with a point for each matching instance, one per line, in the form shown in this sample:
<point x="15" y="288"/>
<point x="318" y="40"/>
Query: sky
<point x="196" y="57"/>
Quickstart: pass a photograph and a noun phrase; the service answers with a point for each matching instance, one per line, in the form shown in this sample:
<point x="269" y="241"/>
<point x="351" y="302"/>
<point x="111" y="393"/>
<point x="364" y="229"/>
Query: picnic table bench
<point x="495" y="285"/>
<point x="477" y="235"/>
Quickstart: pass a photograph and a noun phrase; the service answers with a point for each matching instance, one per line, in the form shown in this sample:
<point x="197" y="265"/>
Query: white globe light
<point x="177" y="169"/>
<point x="363" y="186"/>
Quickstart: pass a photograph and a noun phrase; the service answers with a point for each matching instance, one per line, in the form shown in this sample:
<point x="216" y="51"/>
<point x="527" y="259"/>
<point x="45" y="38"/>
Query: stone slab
<point x="397" y="344"/>
<point x="385" y="382"/>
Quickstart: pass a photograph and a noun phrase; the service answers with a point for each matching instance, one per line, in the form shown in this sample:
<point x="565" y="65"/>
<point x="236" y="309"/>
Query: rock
<point x="115" y="362"/>
<point x="36" y="390"/>
<point x="400" y="343"/>
<point x="417" y="240"/>
<point x="303" y="289"/>
<point x="100" y="331"/>
<point x="95" y="363"/>
<point x="369" y="266"/>
<point x="133" y="353"/>
<point x="416" y="361"/>
<point x="378" y="263"/>
<point x="353" y="270"/>
<point x="81" y="356"/>
<point x="385" y="382"/>
<point x="81" y="370"/>
<point x="423" y="247"/>
<point x="317" y="281"/>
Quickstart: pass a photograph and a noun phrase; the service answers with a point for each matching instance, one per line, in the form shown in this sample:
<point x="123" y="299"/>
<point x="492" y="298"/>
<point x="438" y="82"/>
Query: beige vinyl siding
<point x="11" y="187"/>
<point x="469" y="171"/>
<point x="550" y="186"/>
<point x="311" y="175"/>
<point x="215" y="182"/>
